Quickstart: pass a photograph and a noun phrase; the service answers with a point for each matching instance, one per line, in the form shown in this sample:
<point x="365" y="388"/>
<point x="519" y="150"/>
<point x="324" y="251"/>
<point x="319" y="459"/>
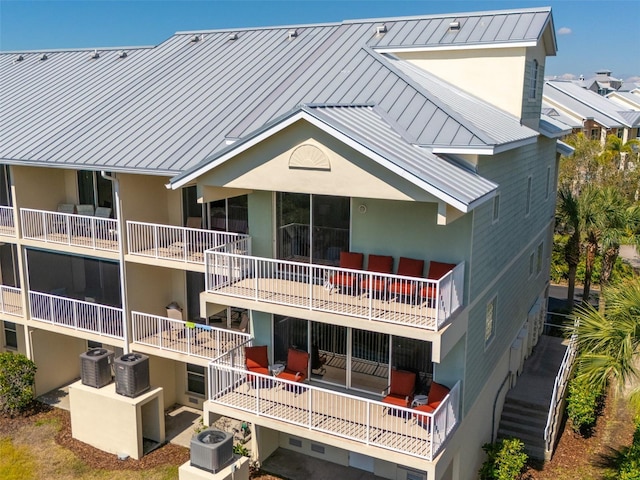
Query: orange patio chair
<point x="437" y="270"/>
<point x="297" y="368"/>
<point x="346" y="281"/>
<point x="256" y="360"/>
<point x="401" y="389"/>
<point x="407" y="267"/>
<point x="377" y="264"/>
<point x="437" y="393"/>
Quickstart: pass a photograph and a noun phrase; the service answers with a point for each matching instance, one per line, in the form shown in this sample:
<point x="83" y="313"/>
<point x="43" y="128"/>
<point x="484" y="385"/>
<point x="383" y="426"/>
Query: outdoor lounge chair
<point x="66" y="208"/>
<point x="401" y="389"/>
<point x="297" y="368"/>
<point x="346" y="281"/>
<point x="103" y="212"/>
<point x="377" y="285"/>
<point x="85" y="209"/>
<point x="407" y="267"/>
<point x="256" y="360"/>
<point x="437" y="393"/>
<point x="437" y="270"/>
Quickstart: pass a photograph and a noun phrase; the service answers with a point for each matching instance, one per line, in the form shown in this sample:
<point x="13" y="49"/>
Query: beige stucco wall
<point x="162" y="374"/>
<point x="495" y="75"/>
<point x="57" y="358"/>
<point x="151" y="288"/>
<point x="146" y="199"/>
<point x="238" y="470"/>
<point x="114" y="423"/>
<point x="42" y="188"/>
<point x="349" y="173"/>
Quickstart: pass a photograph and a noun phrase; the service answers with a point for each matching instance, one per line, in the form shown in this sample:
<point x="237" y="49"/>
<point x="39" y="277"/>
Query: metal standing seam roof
<point x="560" y="116"/>
<point x="628" y="97"/>
<point x="584" y="103"/>
<point x="162" y="110"/>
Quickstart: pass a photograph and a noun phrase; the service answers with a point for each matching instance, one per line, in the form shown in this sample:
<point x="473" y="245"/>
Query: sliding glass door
<point x="312" y="228"/>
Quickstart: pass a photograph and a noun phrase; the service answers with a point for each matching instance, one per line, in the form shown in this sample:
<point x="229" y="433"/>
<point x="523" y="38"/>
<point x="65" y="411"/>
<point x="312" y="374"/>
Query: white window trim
<point x="204" y="377"/>
<point x="539" y="258"/>
<point x="488" y="341"/>
<point x="529" y="196"/>
<point x="496" y="203"/>
<point x="5" y="328"/>
<point x="532" y="263"/>
<point x="548" y="187"/>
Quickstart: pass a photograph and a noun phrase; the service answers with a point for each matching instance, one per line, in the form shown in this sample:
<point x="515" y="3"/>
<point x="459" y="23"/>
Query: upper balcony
<point x="176" y="244"/>
<point x="337" y="414"/>
<point x="7" y="224"/>
<point x="70" y="229"/>
<point x="409" y="301"/>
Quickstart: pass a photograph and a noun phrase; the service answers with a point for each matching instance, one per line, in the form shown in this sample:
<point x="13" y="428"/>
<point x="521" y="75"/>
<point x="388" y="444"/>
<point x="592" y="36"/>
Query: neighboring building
<point x="629" y="100"/>
<point x="279" y="149"/>
<point x="583" y="110"/>
<point x="603" y="83"/>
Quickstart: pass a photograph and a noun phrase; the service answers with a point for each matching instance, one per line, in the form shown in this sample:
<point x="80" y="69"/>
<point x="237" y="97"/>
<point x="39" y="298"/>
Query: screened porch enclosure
<point x="351" y="358"/>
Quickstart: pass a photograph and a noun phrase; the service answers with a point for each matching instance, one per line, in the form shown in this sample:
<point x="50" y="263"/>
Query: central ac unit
<point x="132" y="374"/>
<point x="211" y="450"/>
<point x="95" y="367"/>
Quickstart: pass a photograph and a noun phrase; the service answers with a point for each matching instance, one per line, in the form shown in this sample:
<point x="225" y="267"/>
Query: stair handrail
<point x="559" y="387"/>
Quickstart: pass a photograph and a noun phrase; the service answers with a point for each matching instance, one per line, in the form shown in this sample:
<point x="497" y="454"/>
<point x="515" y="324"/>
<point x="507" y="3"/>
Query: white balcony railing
<point x="417" y="302"/>
<point x="10" y="300"/>
<point x="76" y="314"/>
<point x="7" y="225"/>
<point x="175" y="243"/>
<point x="557" y="396"/>
<point x="69" y="229"/>
<point x="366" y="421"/>
<point x="184" y="337"/>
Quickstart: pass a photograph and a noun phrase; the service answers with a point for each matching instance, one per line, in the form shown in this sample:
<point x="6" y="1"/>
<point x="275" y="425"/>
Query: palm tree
<point x="569" y="216"/>
<point x="616" y="220"/>
<point x="609" y="343"/>
<point x="591" y="226"/>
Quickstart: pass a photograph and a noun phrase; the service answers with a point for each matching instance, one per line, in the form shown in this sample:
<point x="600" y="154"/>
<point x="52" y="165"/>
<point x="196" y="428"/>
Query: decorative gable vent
<point x="309" y="157"/>
<point x="454" y="26"/>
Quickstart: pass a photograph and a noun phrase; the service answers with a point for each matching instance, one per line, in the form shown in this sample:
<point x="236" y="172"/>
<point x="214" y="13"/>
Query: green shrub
<point x="583" y="405"/>
<point x="240" y="449"/>
<point x="17" y="375"/>
<point x="505" y="460"/>
<point x="629" y="466"/>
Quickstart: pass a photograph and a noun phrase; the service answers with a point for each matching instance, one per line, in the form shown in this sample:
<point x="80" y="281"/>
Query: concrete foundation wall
<point x="57" y="357"/>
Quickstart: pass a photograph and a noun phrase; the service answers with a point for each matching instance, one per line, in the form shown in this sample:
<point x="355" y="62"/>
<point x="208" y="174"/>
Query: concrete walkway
<point x="535" y="384"/>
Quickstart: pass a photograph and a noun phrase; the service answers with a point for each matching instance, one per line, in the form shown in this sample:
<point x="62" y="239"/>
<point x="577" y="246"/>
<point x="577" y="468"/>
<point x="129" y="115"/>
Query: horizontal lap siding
<point x="512" y="239"/>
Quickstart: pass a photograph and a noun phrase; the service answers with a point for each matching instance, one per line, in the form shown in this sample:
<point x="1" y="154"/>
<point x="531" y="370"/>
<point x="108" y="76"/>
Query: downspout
<point x="123" y="282"/>
<point x="495" y="403"/>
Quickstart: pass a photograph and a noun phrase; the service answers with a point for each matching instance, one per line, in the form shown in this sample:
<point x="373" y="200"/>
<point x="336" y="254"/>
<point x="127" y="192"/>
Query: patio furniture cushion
<point x="401" y="388"/>
<point x="378" y="264"/>
<point x="351" y="260"/>
<point x="437" y="393"/>
<point x="257" y="359"/>
<point x="297" y="366"/>
<point x="437" y="270"/>
<point x="407" y="267"/>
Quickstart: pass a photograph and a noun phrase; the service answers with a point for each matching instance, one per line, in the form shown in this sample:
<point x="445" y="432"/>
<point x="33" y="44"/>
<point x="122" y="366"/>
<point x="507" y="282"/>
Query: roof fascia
<point x="304" y="114"/>
<point x="488" y="150"/>
<point x="483" y="46"/>
<point x="557" y="134"/>
<point x="564" y="148"/>
<point x="97" y="168"/>
<point x="591" y="107"/>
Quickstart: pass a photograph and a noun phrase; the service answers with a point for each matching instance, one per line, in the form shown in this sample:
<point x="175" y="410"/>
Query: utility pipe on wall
<point x="123" y="282"/>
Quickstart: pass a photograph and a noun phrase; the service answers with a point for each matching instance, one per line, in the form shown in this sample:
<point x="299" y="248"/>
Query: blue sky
<point x="591" y="34"/>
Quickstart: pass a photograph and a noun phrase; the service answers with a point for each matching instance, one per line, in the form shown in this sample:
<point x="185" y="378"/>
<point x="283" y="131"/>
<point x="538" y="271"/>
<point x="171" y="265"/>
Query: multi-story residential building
<point x="229" y="171"/>
<point x="585" y="111"/>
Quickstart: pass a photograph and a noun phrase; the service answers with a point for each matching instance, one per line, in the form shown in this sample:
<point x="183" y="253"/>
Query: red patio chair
<point x="297" y="368"/>
<point x="437" y="393"/>
<point x="256" y="360"/>
<point x="377" y="264"/>
<point x="346" y="281"/>
<point x="437" y="270"/>
<point x="401" y="389"/>
<point x="407" y="267"/>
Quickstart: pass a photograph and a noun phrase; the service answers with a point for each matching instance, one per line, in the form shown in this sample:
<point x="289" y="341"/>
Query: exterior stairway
<point x="526" y="407"/>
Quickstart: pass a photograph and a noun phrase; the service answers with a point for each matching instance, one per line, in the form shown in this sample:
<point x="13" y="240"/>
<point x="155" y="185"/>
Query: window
<point x="528" y="206"/>
<point x="496" y="208"/>
<point x="548" y="186"/>
<point x="196" y="379"/>
<point x="532" y="261"/>
<point x="5" y="186"/>
<point x="94" y="189"/>
<point x="595" y="134"/>
<point x="533" y="86"/>
<point x="539" y="262"/>
<point x="92" y="344"/>
<point x="490" y="321"/>
<point x="10" y="335"/>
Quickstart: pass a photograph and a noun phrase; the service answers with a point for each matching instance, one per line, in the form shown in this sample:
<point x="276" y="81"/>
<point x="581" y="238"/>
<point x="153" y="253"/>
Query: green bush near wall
<point x="629" y="466"/>
<point x="17" y="376"/>
<point x="583" y="405"/>
<point x="505" y="460"/>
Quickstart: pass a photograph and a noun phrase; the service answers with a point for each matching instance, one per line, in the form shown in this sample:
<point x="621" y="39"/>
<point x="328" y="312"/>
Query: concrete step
<point x="535" y="452"/>
<point x="531" y="407"/>
<point x="522" y="431"/>
<point x="529" y="440"/>
<point x="523" y="418"/>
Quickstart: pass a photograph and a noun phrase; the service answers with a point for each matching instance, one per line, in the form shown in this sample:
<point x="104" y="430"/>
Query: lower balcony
<point x="416" y="302"/>
<point x="85" y="231"/>
<point x="188" y="338"/>
<point x="345" y="416"/>
<point x="10" y="300"/>
<point x="76" y="314"/>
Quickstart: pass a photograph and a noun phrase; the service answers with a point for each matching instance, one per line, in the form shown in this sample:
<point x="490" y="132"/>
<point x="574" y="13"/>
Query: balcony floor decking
<point x="78" y="241"/>
<point x="201" y="344"/>
<point x="318" y="297"/>
<point x="176" y="251"/>
<point x="343" y="416"/>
